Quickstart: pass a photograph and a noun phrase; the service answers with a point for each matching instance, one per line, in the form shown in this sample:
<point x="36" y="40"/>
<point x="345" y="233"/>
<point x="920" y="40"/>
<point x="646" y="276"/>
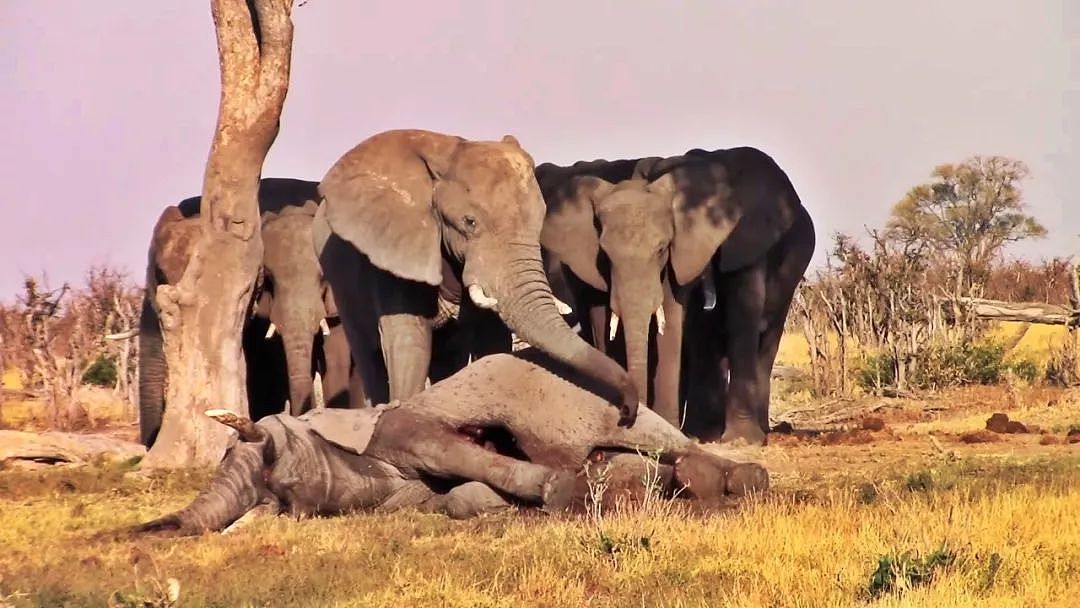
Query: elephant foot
<point x="706" y="476"/>
<point x="559" y="491"/>
<point x="745" y="432"/>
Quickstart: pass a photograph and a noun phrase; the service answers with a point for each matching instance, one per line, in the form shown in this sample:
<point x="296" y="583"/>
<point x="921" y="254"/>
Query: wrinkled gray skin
<point x="408" y="216"/>
<point x="291" y="293"/>
<point x="426" y="451"/>
<point x="654" y="240"/>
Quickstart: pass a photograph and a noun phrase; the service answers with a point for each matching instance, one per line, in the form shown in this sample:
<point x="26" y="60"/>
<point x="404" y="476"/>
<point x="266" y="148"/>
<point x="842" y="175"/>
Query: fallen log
<point x="1026" y="312"/>
<point x="53" y="447"/>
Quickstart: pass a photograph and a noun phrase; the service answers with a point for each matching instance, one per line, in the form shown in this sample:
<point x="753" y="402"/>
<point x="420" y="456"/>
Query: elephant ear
<point x="391" y="218"/>
<point x="569" y="231"/>
<point x="349" y="430"/>
<point x="705" y="212"/>
<point x="768" y="213"/>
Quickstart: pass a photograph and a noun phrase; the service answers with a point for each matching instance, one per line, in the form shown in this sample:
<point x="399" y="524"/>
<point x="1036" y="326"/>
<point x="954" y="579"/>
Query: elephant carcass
<point x="425" y="451"/>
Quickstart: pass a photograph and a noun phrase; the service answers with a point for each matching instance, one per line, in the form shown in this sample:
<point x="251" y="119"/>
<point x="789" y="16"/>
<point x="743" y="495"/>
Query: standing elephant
<point x="724" y="229"/>
<point x="283" y="344"/>
<point x="408" y="215"/>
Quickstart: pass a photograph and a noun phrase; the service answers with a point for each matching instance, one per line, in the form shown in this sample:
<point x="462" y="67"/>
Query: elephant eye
<point x="469" y="222"/>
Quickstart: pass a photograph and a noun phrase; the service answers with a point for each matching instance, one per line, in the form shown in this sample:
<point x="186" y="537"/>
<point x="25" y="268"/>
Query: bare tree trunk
<point x="202" y="315"/>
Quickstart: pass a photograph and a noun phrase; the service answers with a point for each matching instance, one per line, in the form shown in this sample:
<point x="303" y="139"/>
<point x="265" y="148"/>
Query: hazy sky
<point x="108" y="108"/>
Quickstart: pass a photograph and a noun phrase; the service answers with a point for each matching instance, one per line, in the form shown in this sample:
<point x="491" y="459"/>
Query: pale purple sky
<point x="108" y="108"/>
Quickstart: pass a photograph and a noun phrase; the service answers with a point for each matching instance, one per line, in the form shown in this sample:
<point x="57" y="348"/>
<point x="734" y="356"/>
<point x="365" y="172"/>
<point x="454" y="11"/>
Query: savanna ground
<point x="901" y="502"/>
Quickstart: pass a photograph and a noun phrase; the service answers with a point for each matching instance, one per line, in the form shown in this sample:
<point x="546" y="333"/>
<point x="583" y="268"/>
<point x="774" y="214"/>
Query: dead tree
<point x="202" y="315"/>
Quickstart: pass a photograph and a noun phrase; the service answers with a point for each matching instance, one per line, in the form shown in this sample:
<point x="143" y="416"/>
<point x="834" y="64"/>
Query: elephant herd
<point x="665" y="280"/>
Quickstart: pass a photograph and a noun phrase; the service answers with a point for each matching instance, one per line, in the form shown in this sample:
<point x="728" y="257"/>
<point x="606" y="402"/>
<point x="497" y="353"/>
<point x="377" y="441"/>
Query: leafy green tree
<point x="967" y="214"/>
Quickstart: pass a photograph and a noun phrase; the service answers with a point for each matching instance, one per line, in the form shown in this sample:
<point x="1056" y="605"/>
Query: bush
<point x="102" y="372"/>
<point x="901" y="571"/>
<point x="1026" y="369"/>
<point x="1063" y="364"/>
<point x="937" y="366"/>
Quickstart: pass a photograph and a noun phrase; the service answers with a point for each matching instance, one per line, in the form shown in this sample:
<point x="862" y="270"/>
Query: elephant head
<point x="665" y="224"/>
<point x="406" y="198"/>
<point x="293" y="292"/>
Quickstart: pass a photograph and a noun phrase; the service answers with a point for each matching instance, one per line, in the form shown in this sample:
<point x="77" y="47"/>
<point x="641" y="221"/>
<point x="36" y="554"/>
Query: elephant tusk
<point x="325" y="327"/>
<point x="710" y="291"/>
<point x="243" y="425"/>
<point x="661" y="320"/>
<point x="563" y="307"/>
<point x="270" y="332"/>
<point x="480" y="298"/>
<point x="613" y="326"/>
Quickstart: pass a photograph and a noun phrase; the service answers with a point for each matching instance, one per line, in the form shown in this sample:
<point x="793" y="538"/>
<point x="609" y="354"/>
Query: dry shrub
<point x="56" y="339"/>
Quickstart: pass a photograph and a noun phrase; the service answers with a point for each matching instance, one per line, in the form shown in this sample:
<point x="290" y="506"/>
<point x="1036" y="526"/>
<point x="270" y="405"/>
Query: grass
<point x="1010" y="527"/>
<point x="900" y="521"/>
<point x="1026" y="341"/>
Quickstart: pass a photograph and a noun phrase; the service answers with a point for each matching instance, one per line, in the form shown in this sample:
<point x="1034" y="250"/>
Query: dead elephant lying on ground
<point x="508" y="429"/>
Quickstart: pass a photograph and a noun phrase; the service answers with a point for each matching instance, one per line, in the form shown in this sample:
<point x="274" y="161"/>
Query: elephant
<point x="724" y="229"/>
<point x="476" y="442"/>
<point x="409" y="217"/>
<point x="282" y="342"/>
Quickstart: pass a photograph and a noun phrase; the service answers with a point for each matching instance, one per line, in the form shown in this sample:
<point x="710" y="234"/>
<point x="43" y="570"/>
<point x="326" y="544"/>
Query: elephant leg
<point x="467" y="500"/>
<point x="744" y="294"/>
<point x="669" y="361"/>
<point x="336" y="367"/>
<point x="598" y="326"/>
<point x="267" y="370"/>
<point x="351" y="276"/>
<point x="450" y="352"/>
<point x="435" y="449"/>
<point x="405" y="312"/>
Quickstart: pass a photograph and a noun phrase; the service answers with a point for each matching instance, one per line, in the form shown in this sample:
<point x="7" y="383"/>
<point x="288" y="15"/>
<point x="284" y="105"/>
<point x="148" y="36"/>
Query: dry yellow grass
<point x="1006" y="510"/>
<point x="1027" y="340"/>
<point x="813" y="541"/>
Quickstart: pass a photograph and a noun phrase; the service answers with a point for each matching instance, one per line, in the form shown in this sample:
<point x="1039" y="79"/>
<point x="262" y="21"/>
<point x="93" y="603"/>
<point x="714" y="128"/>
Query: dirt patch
<point x="873" y="423"/>
<point x="1073" y="436"/>
<point x="1000" y="423"/>
<point x="870" y="430"/>
<point x="982" y="436"/>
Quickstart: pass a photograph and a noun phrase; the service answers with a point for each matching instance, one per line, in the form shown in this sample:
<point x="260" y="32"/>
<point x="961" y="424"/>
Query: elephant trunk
<point x="236" y="488"/>
<point x="298" y="347"/>
<point x="152" y="371"/>
<point x="635" y="300"/>
<point x="527" y="306"/>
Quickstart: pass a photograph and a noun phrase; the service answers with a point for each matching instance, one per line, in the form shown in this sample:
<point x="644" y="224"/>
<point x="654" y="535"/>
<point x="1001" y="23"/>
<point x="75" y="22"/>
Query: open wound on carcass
<point x="495" y="438"/>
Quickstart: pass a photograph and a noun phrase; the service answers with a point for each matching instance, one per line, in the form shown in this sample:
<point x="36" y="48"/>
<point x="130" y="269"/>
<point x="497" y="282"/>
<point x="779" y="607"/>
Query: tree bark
<point x="202" y="315"/>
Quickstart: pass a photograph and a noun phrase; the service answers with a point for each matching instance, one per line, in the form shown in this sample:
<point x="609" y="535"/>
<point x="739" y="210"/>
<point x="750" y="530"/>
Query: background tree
<point x="967" y="215"/>
<point x="203" y="313"/>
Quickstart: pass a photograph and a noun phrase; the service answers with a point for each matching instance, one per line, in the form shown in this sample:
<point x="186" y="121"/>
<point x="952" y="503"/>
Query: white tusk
<point x="661" y="320"/>
<point x="270" y="332"/>
<point x="480" y="298"/>
<point x="710" y="291"/>
<point x="613" y="326"/>
<point x="325" y="327"/>
<point x="563" y="307"/>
